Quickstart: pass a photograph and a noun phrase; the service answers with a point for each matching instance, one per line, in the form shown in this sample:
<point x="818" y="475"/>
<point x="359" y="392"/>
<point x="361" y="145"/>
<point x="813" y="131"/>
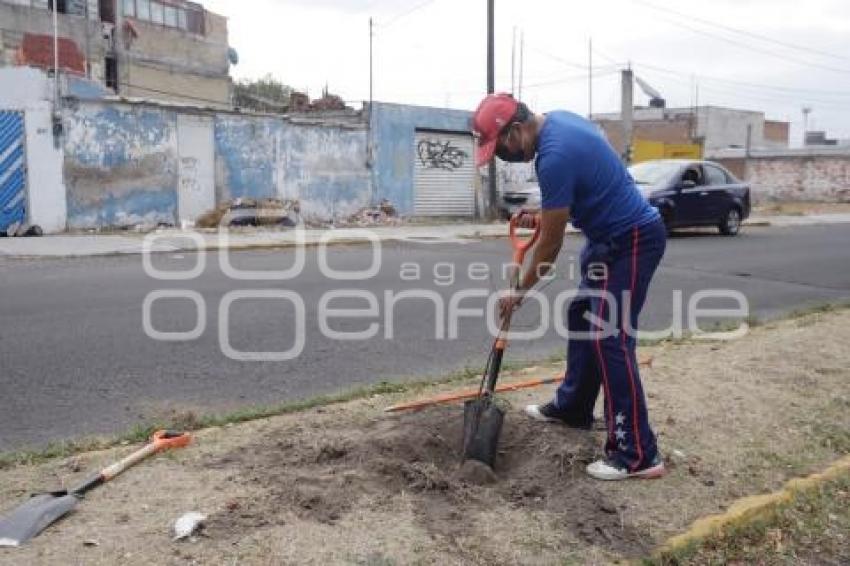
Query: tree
<point x="266" y="94"/>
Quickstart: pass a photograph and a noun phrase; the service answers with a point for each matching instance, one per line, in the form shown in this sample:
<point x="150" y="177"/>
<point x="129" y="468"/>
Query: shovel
<point x="41" y="511"/>
<point x="482" y="418"/>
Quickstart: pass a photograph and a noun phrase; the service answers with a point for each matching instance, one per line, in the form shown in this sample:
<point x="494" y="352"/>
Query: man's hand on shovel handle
<point x="509" y="302"/>
<point x="528" y="218"/>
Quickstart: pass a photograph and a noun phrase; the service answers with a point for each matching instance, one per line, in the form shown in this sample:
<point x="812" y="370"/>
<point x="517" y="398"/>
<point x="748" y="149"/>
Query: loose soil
<point x="349" y="484"/>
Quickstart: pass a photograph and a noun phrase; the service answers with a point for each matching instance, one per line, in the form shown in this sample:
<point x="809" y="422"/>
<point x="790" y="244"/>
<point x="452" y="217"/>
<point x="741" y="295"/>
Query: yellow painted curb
<point x="749" y="509"/>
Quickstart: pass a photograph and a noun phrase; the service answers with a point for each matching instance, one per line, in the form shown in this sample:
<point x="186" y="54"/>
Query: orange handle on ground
<point x="160" y="441"/>
<point x="471" y="393"/>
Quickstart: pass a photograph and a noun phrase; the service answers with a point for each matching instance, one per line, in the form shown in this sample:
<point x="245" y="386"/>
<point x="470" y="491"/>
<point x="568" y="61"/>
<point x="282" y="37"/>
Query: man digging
<point x="582" y="179"/>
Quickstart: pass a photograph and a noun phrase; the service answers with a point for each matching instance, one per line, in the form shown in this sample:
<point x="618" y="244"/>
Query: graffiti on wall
<point x="437" y="154"/>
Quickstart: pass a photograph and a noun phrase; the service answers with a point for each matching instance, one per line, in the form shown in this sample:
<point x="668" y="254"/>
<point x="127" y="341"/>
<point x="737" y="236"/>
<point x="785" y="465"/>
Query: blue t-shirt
<point x="577" y="168"/>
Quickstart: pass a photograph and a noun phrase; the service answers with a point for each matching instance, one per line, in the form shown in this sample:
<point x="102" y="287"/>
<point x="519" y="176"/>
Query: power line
<point x="571" y="79"/>
<point x="742" y="45"/>
<point x="743" y="32"/>
<point x="736" y="92"/>
<point x="574" y="64"/>
<point x="405" y="14"/>
<point x="175" y="94"/>
<point x="758" y="86"/>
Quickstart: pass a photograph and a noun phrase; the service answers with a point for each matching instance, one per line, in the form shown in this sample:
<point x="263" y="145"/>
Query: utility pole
<point x="56" y="56"/>
<point x="493" y="191"/>
<point x="590" y="79"/>
<point x="513" y="64"/>
<point x="521" y="60"/>
<point x="627" y="112"/>
<point x="806" y="111"/>
<point x="88" y="41"/>
<point x="371" y="75"/>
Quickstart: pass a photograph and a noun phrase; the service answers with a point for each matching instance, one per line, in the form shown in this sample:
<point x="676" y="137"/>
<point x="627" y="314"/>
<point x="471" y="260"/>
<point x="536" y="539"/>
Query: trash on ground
<point x="188" y="524"/>
<point x="252" y="212"/>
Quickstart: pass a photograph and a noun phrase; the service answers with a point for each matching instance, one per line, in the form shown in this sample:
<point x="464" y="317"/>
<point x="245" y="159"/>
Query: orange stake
<point x="471" y="393"/>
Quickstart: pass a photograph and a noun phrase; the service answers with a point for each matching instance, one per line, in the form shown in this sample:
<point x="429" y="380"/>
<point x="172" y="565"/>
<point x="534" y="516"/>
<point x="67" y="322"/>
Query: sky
<point x="775" y="56"/>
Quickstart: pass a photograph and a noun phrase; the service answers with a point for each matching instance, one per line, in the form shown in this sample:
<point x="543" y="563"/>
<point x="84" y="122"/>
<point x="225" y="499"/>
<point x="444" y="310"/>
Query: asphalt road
<point x="76" y="360"/>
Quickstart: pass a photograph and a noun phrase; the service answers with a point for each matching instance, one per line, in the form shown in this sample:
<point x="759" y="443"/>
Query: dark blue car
<point x="694" y="193"/>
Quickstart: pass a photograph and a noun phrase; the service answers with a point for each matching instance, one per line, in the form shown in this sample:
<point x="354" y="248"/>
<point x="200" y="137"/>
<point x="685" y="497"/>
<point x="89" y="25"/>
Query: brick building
<point x="171" y="50"/>
<point x="713" y="127"/>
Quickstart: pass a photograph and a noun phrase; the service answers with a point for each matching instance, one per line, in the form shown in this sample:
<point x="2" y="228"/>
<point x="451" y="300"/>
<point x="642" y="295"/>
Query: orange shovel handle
<point x="521" y="246"/>
<point x="471" y="393"/>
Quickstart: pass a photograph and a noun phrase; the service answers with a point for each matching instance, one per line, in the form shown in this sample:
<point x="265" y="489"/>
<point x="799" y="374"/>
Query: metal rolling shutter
<point x="13" y="172"/>
<point x="444" y="175"/>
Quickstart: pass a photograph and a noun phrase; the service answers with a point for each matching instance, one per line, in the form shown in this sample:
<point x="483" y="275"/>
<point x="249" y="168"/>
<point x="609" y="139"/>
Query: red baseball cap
<point x="494" y="113"/>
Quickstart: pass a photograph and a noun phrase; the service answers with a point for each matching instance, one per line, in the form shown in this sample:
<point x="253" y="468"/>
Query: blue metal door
<point x="13" y="171"/>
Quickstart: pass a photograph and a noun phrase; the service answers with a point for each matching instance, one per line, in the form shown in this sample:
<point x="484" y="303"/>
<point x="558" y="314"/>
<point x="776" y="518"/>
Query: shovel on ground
<point x="41" y="511"/>
<point x="482" y="418"/>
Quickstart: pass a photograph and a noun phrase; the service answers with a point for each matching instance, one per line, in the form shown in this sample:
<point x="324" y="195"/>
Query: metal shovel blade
<point x="482" y="425"/>
<point x="38" y="513"/>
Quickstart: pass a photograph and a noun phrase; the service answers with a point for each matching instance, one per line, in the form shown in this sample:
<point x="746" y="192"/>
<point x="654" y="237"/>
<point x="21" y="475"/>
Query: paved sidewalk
<point x="172" y="240"/>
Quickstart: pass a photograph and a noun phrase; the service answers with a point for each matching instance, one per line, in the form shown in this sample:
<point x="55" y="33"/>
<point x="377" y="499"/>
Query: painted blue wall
<point x="321" y="165"/>
<point x="121" y="166"/>
<point x="325" y="168"/>
<point x="246" y="155"/>
<point x="393" y="131"/>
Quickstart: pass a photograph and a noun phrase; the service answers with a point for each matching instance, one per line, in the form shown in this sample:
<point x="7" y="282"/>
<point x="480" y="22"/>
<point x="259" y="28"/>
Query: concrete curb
<point x="748" y="510"/>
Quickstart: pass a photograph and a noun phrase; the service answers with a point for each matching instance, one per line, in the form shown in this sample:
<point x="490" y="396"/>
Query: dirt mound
<point x="325" y="474"/>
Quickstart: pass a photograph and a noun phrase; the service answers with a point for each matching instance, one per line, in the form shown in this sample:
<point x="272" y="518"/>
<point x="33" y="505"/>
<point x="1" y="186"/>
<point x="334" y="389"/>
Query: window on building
<point x="130" y="8"/>
<point x="181" y="19"/>
<point x="60" y="5"/>
<point x="195" y="19"/>
<point x="171" y="16"/>
<point x="107" y="11"/>
<point x="157" y="13"/>
<point x="111" y="73"/>
<point x="143" y="10"/>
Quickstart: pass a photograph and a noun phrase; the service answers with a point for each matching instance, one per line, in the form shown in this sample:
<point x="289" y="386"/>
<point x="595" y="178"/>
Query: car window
<point x="653" y="172"/>
<point x="694" y="173"/>
<point x="715" y="175"/>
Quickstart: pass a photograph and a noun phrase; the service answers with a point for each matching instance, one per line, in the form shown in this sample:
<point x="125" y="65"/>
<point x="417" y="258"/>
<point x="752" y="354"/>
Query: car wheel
<point x="731" y="223"/>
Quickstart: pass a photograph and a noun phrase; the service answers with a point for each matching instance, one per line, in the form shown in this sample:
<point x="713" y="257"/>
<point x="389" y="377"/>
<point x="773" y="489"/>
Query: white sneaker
<point x="612" y="470"/>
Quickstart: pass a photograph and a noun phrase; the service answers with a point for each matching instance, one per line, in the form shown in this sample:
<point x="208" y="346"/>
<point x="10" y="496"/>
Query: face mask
<point x="517" y="156"/>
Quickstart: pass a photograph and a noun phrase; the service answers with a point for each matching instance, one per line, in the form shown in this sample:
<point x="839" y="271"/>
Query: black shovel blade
<point x="482" y="425"/>
<point x="32" y="517"/>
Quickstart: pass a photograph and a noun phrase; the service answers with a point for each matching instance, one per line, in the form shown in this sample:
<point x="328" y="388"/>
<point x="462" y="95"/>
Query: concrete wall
<point x="175" y="65"/>
<point x="726" y="127"/>
<point x="152" y="82"/>
<point x="321" y="165"/>
<point x="777" y="134"/>
<point x="325" y="168"/>
<point x="794" y="175"/>
<point x="393" y="127"/>
<point x="19" y="19"/>
<point x="672" y="131"/>
<point x="30" y="91"/>
<point x="121" y="165"/>
<point x="816" y="178"/>
<point x="46" y="194"/>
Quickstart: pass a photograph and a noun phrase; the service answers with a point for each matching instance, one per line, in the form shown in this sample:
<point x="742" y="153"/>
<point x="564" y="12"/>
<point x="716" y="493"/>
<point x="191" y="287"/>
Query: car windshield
<point x="653" y="172"/>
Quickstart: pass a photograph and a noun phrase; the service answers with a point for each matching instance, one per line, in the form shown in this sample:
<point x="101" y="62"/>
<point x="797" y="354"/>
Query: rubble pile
<point x="384" y="214"/>
<point x="252" y="212"/>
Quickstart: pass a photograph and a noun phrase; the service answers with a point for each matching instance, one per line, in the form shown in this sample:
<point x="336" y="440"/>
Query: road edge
<point x="748" y="510"/>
